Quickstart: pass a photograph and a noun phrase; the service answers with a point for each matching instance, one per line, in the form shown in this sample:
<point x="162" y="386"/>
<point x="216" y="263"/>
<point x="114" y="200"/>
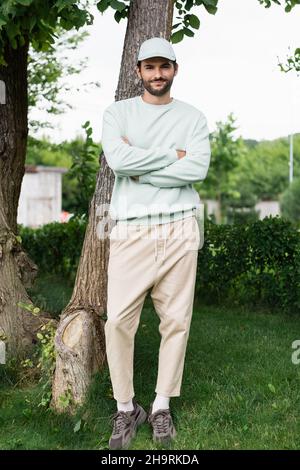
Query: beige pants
<point x="163" y="258"/>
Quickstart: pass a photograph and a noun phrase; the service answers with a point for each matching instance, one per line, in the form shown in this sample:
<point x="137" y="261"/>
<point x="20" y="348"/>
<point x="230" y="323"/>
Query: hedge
<point x="254" y="263"/>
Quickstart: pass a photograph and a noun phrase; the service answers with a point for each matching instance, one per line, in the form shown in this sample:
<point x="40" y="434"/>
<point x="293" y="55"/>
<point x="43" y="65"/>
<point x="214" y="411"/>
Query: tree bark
<point x="80" y="341"/>
<point x="17" y="326"/>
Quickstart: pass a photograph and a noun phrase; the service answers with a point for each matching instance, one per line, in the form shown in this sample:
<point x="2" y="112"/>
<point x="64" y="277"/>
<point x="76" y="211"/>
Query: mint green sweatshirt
<point x="164" y="190"/>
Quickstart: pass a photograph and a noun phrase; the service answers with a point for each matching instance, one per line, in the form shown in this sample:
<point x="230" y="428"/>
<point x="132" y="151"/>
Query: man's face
<point x="157" y="75"/>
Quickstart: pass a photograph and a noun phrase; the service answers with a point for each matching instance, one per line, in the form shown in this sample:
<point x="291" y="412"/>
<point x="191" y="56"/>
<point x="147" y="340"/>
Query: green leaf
<point x="213" y="3"/>
<point x="188" y="32"/>
<point x="189" y="4"/>
<point x="77" y="426"/>
<point x="117" y="16"/>
<point x="21" y="41"/>
<point x="3" y="20"/>
<point x="194" y="21"/>
<point x="27" y="307"/>
<point x="116" y="5"/>
<point x="103" y="5"/>
<point x="32" y="23"/>
<point x="25" y="3"/>
<point x="271" y="388"/>
<point x="61" y="4"/>
<point x="67" y="25"/>
<point x="12" y="30"/>
<point x="176" y="25"/>
<point x="177" y="37"/>
<point x="210" y="9"/>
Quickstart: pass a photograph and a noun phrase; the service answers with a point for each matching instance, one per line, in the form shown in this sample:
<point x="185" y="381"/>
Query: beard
<point x="158" y="91"/>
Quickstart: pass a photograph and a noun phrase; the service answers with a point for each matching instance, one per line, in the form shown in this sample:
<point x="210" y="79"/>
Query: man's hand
<point x="126" y="140"/>
<point x="181" y="154"/>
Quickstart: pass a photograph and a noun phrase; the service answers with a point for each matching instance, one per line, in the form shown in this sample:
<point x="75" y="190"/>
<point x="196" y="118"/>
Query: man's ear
<point x="138" y="72"/>
<point x="176" y="69"/>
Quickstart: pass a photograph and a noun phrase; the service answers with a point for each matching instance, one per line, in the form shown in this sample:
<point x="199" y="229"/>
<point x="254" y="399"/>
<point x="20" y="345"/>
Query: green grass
<point x="51" y="293"/>
<point x="240" y="390"/>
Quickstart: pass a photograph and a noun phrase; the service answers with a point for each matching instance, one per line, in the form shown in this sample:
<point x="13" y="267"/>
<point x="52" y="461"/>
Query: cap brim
<point x="151" y="56"/>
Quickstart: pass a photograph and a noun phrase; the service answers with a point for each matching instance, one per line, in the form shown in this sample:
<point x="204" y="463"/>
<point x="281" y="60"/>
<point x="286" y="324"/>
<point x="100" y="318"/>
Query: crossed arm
<point x="161" y="167"/>
<point x="128" y="160"/>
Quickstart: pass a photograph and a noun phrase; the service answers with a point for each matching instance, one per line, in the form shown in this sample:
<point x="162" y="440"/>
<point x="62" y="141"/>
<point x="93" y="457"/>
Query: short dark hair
<point x="173" y="62"/>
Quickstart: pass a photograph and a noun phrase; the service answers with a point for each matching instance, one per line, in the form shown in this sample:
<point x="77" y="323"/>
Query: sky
<point x="229" y="66"/>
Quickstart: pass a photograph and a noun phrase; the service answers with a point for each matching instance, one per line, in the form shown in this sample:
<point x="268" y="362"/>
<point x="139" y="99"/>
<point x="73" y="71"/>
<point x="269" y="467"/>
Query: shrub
<point x="256" y="263"/>
<point x="55" y="247"/>
<point x="289" y="201"/>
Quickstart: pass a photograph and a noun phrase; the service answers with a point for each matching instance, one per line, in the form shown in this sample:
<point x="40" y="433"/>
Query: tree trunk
<point x="80" y="343"/>
<point x="17" y="326"/>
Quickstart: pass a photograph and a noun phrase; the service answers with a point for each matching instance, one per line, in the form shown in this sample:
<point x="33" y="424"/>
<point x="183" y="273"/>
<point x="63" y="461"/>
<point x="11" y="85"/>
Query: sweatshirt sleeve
<point x="193" y="167"/>
<point x="128" y="160"/>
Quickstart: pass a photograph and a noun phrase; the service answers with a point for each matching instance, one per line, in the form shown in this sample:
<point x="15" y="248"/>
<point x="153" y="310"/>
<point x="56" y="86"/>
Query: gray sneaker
<point x="162" y="424"/>
<point x="125" y="424"/>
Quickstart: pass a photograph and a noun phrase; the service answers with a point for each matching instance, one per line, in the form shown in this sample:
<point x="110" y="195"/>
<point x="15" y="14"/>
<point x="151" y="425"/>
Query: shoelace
<point x="160" y="421"/>
<point x="120" y="420"/>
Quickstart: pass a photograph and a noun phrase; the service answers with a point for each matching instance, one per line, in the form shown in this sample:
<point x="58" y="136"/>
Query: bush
<point x="257" y="264"/>
<point x="241" y="216"/>
<point x="55" y="247"/>
<point x="289" y="201"/>
<point x="242" y="210"/>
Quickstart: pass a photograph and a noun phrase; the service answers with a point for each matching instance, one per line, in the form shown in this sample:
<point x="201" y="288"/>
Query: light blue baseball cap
<point x="156" y="47"/>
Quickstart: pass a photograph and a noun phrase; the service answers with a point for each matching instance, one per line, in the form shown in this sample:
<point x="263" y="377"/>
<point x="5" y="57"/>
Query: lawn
<point x="240" y="390"/>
